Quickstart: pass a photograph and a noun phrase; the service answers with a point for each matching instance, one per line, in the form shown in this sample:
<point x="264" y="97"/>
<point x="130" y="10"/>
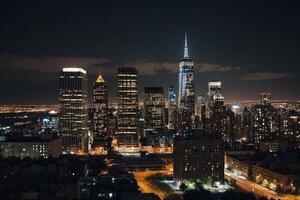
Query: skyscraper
<point x="186" y="92"/>
<point x="172" y="108"/>
<point x="73" y="105"/>
<point x="154" y="103"/>
<point x="265" y="119"/>
<point x="100" y="111"/>
<point x="127" y="100"/>
<point x="214" y="91"/>
<point x="200" y="103"/>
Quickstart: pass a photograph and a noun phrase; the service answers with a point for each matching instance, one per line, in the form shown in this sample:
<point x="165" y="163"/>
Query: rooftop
<point x="74" y="69"/>
<point x="100" y="79"/>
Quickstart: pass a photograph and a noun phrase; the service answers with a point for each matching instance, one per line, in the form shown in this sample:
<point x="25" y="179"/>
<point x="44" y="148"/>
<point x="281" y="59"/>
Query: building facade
<point x="127" y="102"/>
<point x="186" y="91"/>
<point x="198" y="157"/>
<point x="214" y="91"/>
<point x="73" y="109"/>
<point x="154" y="104"/>
<point x="32" y="147"/>
<point x="100" y="111"/>
<point x="265" y="120"/>
<point x="172" y="108"/>
<point x="200" y="104"/>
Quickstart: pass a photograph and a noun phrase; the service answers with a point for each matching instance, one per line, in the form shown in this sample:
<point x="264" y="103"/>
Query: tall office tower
<point x="290" y="124"/>
<point x="172" y="108"/>
<point x="247" y="125"/>
<point x="128" y="107"/>
<point x="217" y="119"/>
<point x="200" y="103"/>
<point x="198" y="156"/>
<point x="100" y="111"/>
<point x="214" y="96"/>
<point x="73" y="106"/>
<point x="214" y="91"/>
<point x="154" y="103"/>
<point x="265" y="98"/>
<point x="186" y="92"/>
<point x="265" y="120"/>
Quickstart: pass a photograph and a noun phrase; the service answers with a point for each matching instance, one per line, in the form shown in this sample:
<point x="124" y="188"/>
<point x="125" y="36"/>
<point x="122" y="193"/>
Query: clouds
<point x="208" y="67"/>
<point x="147" y="68"/>
<point x="30" y="68"/>
<point x="259" y="76"/>
<point x="15" y="67"/>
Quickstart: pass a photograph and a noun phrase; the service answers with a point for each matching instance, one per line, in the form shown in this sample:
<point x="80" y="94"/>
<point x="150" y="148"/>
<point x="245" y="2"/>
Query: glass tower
<point x="100" y="110"/>
<point x="73" y="106"/>
<point x="186" y="93"/>
<point x="127" y="101"/>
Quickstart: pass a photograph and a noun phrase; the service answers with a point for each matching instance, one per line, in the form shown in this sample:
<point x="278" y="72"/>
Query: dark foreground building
<point x="44" y="146"/>
<point x="198" y="156"/>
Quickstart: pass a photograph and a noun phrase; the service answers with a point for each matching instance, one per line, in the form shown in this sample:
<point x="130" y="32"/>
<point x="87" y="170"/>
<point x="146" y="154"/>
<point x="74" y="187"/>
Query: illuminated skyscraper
<point x="214" y="96"/>
<point x="100" y="111"/>
<point x="265" y="119"/>
<point x="200" y="103"/>
<point x="154" y="103"/>
<point x="214" y="91"/>
<point x="186" y="92"/>
<point x="172" y="108"/>
<point x="127" y="100"/>
<point x="73" y="105"/>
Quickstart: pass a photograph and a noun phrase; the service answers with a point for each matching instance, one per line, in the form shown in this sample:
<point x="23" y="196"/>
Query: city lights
<point x="138" y="100"/>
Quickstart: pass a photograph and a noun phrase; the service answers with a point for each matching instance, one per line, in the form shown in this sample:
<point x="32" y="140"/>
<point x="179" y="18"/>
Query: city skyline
<point x="249" y="54"/>
<point x="149" y="100"/>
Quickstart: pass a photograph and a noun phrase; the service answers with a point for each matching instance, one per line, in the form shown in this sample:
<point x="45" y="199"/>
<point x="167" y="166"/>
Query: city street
<point x="241" y="182"/>
<point x="257" y="189"/>
<point x="146" y="186"/>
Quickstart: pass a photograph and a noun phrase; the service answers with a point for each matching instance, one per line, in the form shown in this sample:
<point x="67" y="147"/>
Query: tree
<point x="183" y="187"/>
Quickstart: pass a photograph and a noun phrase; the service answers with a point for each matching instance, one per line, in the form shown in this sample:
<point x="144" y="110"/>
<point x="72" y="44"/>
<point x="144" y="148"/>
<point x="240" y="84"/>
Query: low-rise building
<point x="238" y="166"/>
<point x="34" y="147"/>
<point x="158" y="138"/>
<point x="273" y="175"/>
<point x="273" y="146"/>
<point x="274" y="180"/>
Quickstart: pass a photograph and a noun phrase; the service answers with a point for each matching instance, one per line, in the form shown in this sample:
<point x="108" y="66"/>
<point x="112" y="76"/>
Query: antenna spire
<point x="186" y="50"/>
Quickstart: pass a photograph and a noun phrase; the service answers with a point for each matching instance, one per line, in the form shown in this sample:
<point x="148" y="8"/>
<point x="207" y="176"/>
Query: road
<point x="147" y="186"/>
<point x="259" y="190"/>
<point x="241" y="182"/>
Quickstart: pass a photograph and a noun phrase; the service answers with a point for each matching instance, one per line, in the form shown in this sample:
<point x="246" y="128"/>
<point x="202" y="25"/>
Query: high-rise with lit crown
<point x="127" y="102"/>
<point x="214" y="92"/>
<point x="100" y="110"/>
<point x="73" y="105"/>
<point x="186" y="91"/>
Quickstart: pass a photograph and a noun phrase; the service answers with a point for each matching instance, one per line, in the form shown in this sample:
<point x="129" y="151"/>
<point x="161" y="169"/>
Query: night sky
<point x="251" y="46"/>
